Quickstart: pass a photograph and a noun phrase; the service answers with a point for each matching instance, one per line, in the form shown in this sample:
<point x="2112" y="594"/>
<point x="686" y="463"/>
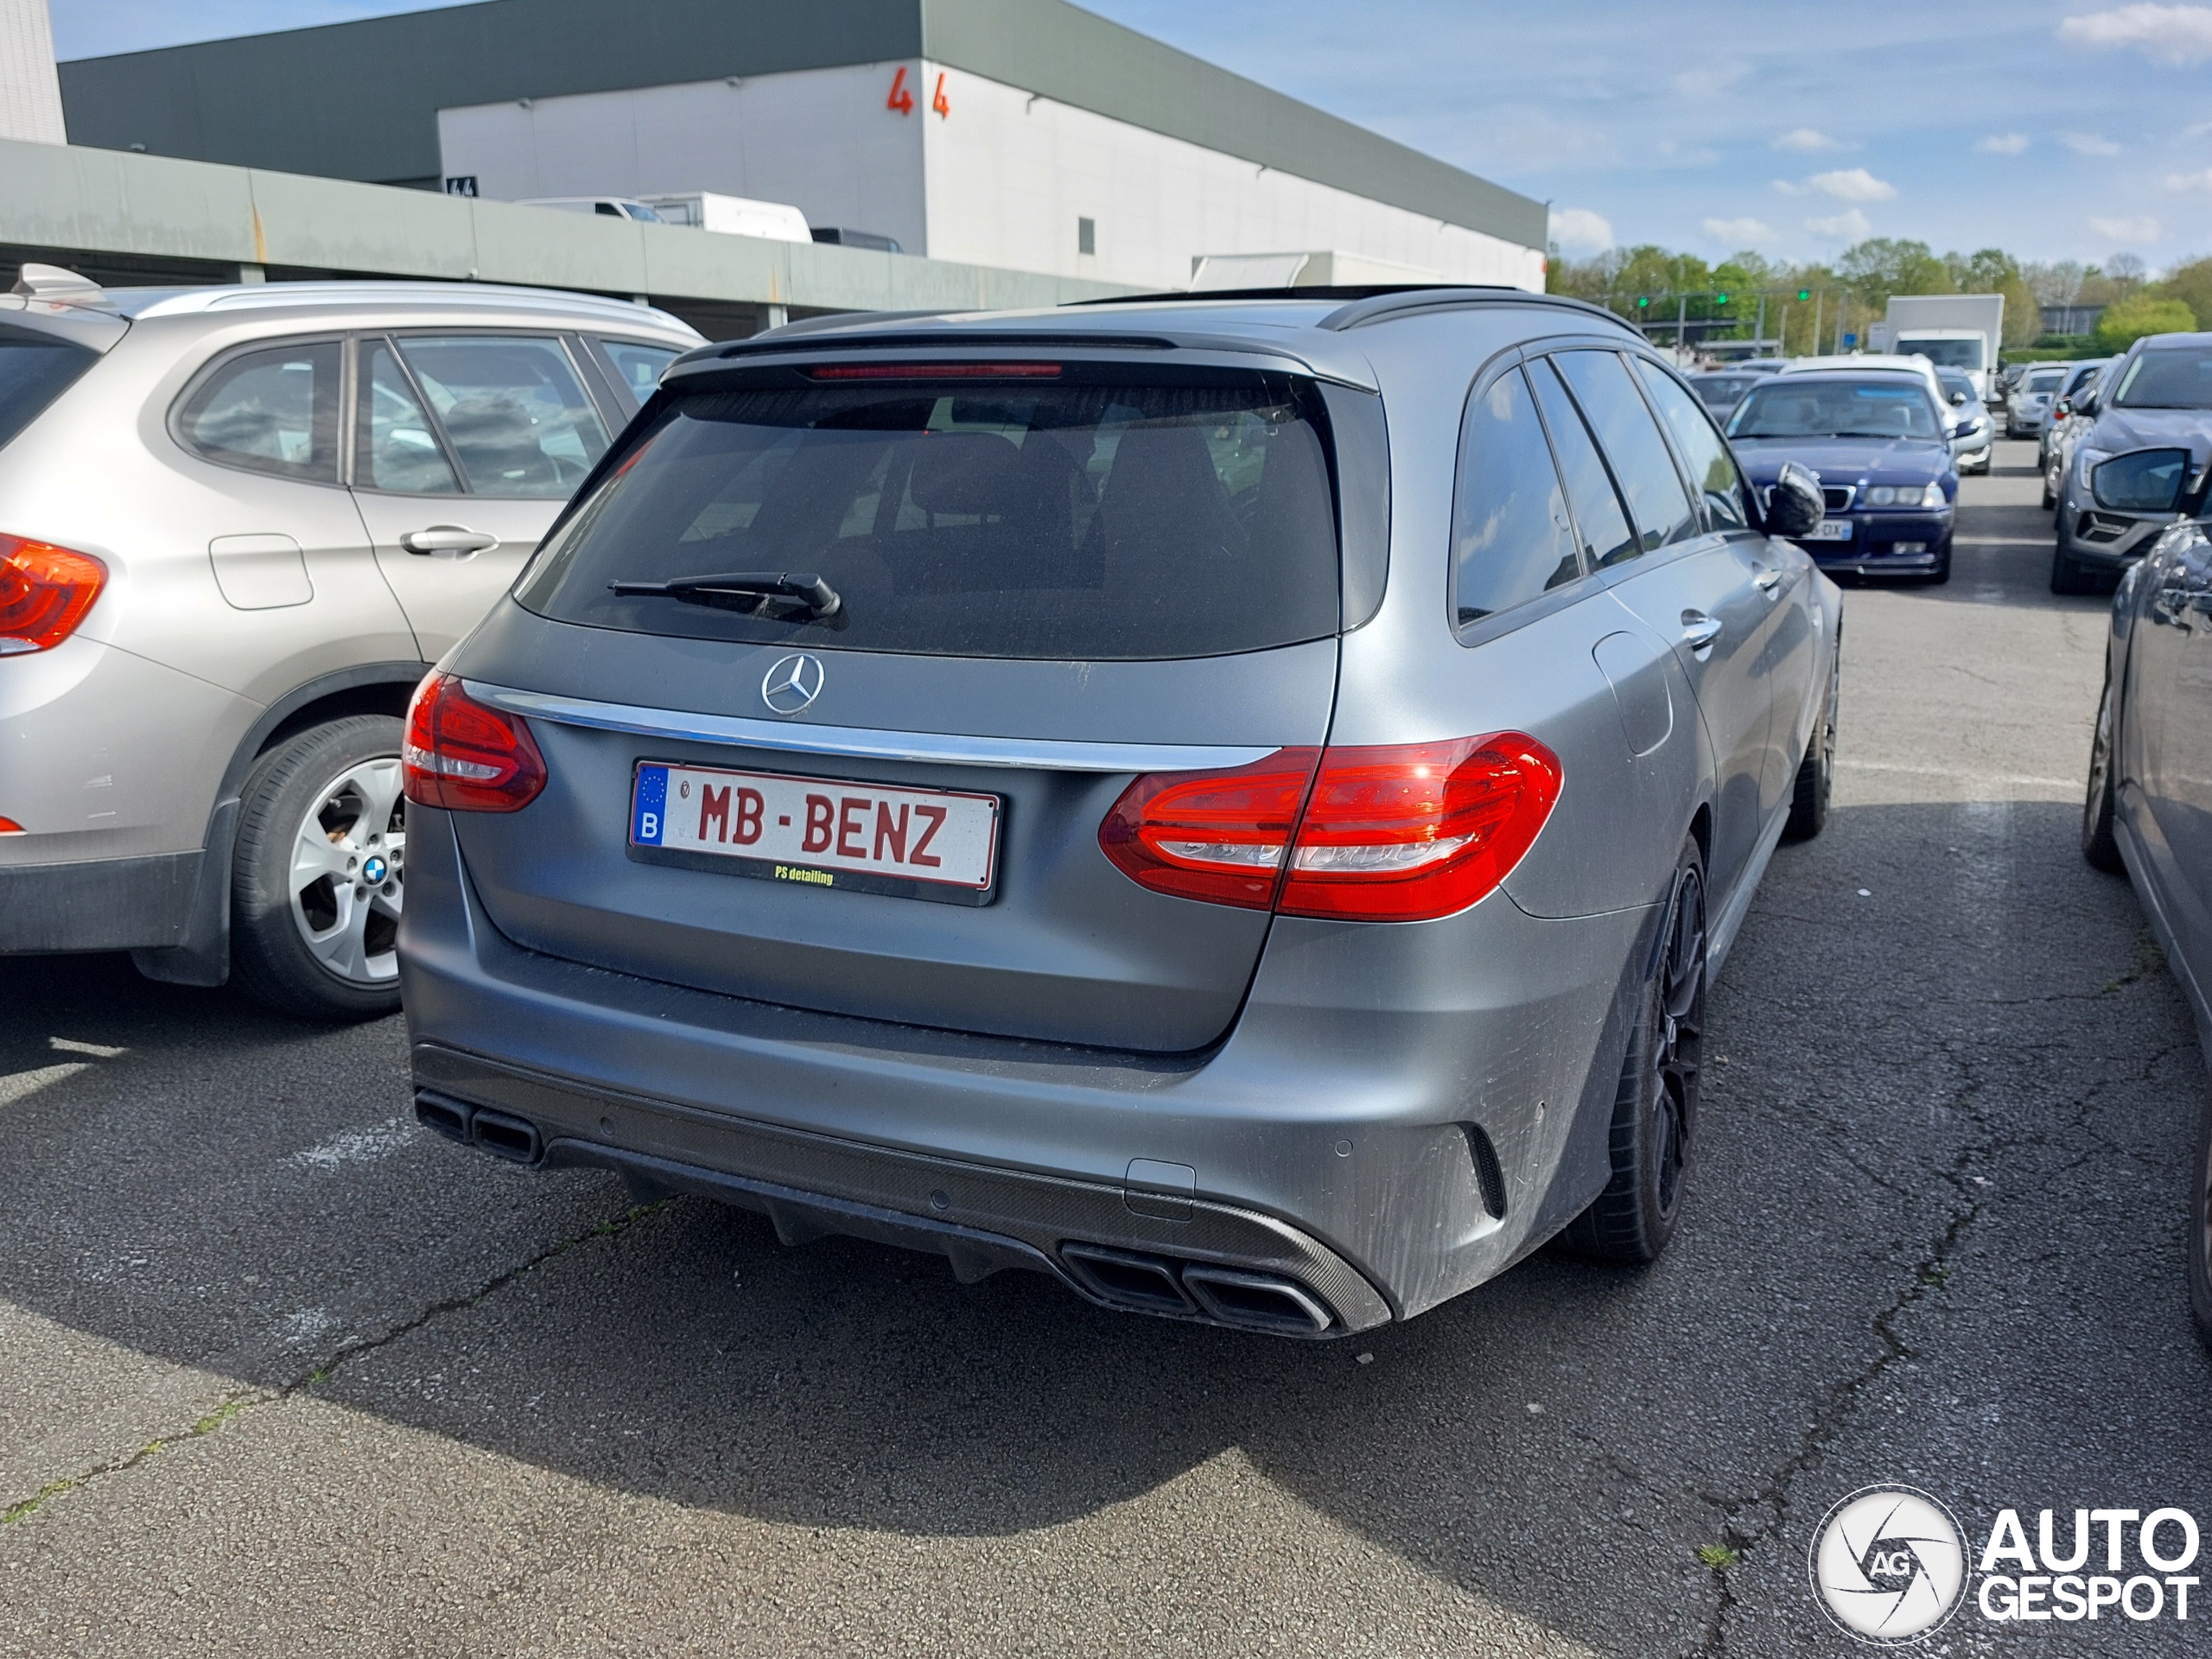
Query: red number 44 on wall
<point x="903" y="100"/>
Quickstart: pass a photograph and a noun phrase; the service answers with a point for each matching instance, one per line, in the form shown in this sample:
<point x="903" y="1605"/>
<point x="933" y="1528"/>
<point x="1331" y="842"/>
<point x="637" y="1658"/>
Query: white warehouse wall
<point x="820" y="139"/>
<point x="1000" y="179"/>
<point x="1009" y="175"/>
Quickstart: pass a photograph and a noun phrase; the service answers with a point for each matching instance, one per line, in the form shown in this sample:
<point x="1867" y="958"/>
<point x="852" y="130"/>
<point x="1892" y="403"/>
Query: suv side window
<point x="1607" y="538"/>
<point x="399" y="448"/>
<point x="1511" y="539"/>
<point x="1656" y="500"/>
<point x="512" y="409"/>
<point x="273" y="409"/>
<point x="637" y="364"/>
<point x="1702" y="448"/>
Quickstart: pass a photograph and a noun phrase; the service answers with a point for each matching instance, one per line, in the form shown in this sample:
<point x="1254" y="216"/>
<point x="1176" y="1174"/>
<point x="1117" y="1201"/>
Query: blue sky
<point x="2057" y="130"/>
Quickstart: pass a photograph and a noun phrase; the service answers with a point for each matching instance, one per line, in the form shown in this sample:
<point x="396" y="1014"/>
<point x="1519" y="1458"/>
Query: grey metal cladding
<point x="360" y="100"/>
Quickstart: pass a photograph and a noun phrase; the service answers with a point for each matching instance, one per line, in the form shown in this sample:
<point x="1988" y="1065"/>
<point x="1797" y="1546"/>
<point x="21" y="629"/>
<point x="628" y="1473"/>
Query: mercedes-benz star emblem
<point x="792" y="682"/>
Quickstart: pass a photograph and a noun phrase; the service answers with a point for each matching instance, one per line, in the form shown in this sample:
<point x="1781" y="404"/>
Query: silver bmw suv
<point x="1231" y="803"/>
<point x="237" y="525"/>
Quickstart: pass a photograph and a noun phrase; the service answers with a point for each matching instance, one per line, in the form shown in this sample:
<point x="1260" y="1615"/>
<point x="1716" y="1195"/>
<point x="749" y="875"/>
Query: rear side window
<point x="1656" y="502"/>
<point x="35" y="370"/>
<point x="1511" y="537"/>
<point x="399" y="447"/>
<point x="513" y="409"/>
<point x="637" y="365"/>
<point x="1701" y="447"/>
<point x="273" y="411"/>
<point x="1599" y="515"/>
<point x="1061" y="521"/>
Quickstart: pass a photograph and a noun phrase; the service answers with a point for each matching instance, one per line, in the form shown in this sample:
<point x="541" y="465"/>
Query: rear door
<point x="1687" y="584"/>
<point x="466" y="446"/>
<point x="1050" y="581"/>
<point x="2170" y="709"/>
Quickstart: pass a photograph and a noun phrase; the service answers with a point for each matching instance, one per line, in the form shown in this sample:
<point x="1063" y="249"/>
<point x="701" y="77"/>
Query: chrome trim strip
<point x="1044" y="754"/>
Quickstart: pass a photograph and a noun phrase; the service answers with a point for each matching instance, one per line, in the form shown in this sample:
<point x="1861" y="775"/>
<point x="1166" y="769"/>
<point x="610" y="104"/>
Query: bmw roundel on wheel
<point x="1110" y="808"/>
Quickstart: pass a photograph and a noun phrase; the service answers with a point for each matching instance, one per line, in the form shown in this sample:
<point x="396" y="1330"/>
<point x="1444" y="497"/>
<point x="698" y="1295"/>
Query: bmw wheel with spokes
<point x="319" y="873"/>
<point x="1656" y="1108"/>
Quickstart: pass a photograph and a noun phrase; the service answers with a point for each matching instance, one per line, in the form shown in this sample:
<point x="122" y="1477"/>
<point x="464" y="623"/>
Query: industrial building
<point x="1017" y="135"/>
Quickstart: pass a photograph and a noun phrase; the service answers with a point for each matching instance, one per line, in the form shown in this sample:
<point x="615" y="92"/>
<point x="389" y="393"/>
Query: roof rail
<point x="1371" y="302"/>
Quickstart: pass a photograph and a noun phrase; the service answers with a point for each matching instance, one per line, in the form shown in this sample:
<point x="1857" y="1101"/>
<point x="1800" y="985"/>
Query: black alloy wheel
<point x="1815" y="781"/>
<point x="1656" y="1108"/>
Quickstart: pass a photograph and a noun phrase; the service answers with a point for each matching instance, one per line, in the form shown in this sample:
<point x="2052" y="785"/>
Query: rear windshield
<point x="1787" y="407"/>
<point x="1944" y="353"/>
<point x="1010" y="520"/>
<point x="35" y="370"/>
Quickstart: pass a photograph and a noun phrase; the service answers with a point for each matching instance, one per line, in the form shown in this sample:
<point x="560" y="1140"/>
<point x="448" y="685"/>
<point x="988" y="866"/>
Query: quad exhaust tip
<point x="501" y="1133"/>
<point x="1231" y="1296"/>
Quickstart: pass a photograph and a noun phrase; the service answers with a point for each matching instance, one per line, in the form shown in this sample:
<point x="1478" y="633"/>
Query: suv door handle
<point x="446" y="541"/>
<point x="1767" y="580"/>
<point x="1700" y="629"/>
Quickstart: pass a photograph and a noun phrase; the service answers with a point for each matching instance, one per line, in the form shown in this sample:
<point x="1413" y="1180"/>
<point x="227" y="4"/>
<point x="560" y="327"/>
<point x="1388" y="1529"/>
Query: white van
<point x="733" y="215"/>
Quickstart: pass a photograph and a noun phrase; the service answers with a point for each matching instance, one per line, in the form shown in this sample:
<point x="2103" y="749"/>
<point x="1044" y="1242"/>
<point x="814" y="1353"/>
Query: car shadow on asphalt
<point x="1898" y="976"/>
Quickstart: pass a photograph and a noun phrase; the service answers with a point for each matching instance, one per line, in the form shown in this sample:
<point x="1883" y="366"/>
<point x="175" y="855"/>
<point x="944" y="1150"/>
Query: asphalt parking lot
<point x="284" y="1373"/>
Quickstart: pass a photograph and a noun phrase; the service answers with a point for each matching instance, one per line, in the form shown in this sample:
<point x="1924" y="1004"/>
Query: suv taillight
<point x="465" y="757"/>
<point x="45" y="591"/>
<point x="1397" y="833"/>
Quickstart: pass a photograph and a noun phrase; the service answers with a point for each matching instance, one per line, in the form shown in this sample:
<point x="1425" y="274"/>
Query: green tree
<point x="2191" y="285"/>
<point x="2125" y="323"/>
<point x="1882" y="265"/>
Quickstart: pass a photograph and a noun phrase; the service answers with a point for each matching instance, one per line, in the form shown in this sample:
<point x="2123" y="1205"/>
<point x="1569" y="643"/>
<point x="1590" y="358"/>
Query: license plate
<point x="820" y="832"/>
<point x="1829" y="530"/>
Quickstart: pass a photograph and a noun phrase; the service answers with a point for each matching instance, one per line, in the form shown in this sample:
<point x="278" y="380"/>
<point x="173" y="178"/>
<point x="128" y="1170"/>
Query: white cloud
<point x="1739" y="232"/>
<point x="1807" y="139"/>
<point x="1710" y="80"/>
<point x="2089" y="144"/>
<point x="1852" y="184"/>
<point x="1577" y="230"/>
<point x="2180" y="36"/>
<point x="2145" y="229"/>
<point x="2178" y="182"/>
<point x="1851" y="227"/>
<point x="2002" y="143"/>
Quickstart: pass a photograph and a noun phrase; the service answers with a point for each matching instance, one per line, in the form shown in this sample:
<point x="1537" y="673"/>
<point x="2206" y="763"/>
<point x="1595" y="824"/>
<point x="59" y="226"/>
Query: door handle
<point x="1700" y="629"/>
<point x="1767" y="580"/>
<point x="446" y="541"/>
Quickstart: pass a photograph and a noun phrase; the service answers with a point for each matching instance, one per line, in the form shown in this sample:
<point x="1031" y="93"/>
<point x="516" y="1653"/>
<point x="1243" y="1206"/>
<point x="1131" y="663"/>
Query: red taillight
<point x="1215" y="836"/>
<point x="45" y="591"/>
<point x="9" y="827"/>
<point x="1398" y="833"/>
<point x="465" y="757"/>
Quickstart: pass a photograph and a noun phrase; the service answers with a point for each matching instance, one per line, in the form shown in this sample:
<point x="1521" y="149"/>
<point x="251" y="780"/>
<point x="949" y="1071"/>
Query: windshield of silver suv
<point x="1006" y="518"/>
<point x="2171" y="377"/>
<point x="1794" y="407"/>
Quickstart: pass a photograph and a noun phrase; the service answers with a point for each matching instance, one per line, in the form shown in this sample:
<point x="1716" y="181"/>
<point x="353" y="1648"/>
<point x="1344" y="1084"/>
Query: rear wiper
<point x="784" y="596"/>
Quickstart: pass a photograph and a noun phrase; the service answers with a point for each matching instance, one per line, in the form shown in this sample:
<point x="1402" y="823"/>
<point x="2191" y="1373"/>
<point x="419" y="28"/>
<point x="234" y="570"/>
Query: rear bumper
<point x="1399" y="1113"/>
<point x="103" y="904"/>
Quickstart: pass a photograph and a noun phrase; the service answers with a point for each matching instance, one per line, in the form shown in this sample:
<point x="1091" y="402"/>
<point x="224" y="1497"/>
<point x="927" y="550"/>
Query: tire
<point x="1816" y="783"/>
<point x="2200" y="1230"/>
<point x="2068" y="577"/>
<point x="2050" y="495"/>
<point x="1941" y="573"/>
<point x="1655" y="1108"/>
<point x="2098" y="844"/>
<point x="308" y="935"/>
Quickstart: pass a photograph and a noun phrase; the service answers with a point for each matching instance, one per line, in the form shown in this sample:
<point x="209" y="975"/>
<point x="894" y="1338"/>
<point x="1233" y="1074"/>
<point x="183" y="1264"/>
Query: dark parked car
<point x="2159" y="393"/>
<point x="2149" y="809"/>
<point x="1880" y="446"/>
<point x="2080" y="378"/>
<point x="1233" y="805"/>
<point x="1721" y="390"/>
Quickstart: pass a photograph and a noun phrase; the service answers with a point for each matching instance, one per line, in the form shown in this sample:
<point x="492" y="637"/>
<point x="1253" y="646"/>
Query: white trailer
<point x="1952" y="331"/>
<point x="733" y="215"/>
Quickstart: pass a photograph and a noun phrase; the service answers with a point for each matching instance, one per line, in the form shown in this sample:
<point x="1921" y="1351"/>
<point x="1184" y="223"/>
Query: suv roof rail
<point x="1371" y="302"/>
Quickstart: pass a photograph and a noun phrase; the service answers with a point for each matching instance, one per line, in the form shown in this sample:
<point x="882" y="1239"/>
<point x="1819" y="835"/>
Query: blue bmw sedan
<point x="1881" y="451"/>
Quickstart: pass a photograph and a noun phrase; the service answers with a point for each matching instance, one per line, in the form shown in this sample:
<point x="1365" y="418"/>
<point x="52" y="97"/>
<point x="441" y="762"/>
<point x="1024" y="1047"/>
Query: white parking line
<point x="1962" y="777"/>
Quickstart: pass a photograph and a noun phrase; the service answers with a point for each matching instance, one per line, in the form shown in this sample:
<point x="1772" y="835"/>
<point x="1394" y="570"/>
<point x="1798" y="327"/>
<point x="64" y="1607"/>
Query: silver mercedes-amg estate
<point x="1232" y="803"/>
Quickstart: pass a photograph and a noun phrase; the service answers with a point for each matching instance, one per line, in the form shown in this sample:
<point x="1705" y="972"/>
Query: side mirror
<point x="2147" y="480"/>
<point x="2063" y="406"/>
<point x="1957" y="397"/>
<point x="2085" y="403"/>
<point x="1795" y="506"/>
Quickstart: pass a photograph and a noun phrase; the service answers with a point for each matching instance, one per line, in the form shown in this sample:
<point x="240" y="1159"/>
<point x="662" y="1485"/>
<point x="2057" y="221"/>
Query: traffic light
<point x="1721" y="299"/>
<point x="1804" y="293"/>
<point x="1643" y="302"/>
